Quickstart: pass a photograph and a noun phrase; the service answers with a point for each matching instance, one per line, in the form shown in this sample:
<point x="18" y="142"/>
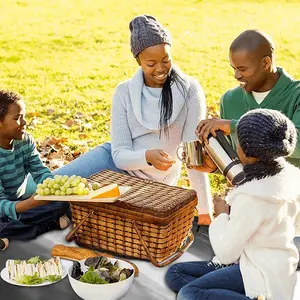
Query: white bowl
<point x="110" y="291"/>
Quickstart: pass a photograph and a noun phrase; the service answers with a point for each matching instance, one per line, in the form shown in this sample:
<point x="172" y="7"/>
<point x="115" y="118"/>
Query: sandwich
<point x="34" y="270"/>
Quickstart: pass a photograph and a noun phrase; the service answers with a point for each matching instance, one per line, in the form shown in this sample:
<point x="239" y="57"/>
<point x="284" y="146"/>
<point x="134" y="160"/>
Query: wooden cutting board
<point x="83" y="198"/>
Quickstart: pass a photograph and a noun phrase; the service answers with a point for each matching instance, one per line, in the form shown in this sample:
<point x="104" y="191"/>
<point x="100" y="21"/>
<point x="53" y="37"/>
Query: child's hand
<point x="220" y="205"/>
<point x="30" y="203"/>
<point x="36" y="203"/>
<point x="40" y="202"/>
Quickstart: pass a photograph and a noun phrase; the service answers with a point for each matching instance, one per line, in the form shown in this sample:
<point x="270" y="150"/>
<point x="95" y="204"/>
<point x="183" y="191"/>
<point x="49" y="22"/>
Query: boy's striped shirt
<point x="15" y="165"/>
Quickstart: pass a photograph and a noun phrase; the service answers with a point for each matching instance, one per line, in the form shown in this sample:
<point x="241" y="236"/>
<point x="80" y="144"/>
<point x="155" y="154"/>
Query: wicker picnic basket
<point x="151" y="221"/>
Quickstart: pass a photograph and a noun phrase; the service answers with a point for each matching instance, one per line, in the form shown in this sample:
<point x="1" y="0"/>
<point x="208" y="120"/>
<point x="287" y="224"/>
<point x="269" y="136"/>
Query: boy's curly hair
<point x="6" y="99"/>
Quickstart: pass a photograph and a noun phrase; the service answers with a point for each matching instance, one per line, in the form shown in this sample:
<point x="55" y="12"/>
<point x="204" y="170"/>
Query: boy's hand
<point x="159" y="159"/>
<point x="30" y="203"/>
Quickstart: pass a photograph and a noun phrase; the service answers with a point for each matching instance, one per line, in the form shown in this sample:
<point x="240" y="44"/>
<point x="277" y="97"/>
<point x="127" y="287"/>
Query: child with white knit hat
<point x="255" y="256"/>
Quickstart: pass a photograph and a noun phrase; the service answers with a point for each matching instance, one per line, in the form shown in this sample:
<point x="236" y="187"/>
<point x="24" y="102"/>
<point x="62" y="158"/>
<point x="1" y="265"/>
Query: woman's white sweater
<point x="135" y="129"/>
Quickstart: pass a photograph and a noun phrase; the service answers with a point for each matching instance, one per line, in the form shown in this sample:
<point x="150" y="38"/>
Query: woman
<point x="255" y="254"/>
<point x="152" y="114"/>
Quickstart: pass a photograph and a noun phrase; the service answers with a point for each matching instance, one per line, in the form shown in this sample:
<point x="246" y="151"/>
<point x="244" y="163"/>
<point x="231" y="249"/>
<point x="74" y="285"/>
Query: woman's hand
<point x="29" y="203"/>
<point x="160" y="159"/>
<point x="220" y="205"/>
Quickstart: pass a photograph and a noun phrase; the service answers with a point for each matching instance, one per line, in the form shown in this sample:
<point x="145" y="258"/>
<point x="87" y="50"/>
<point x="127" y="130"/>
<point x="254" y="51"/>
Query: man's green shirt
<point x="284" y="96"/>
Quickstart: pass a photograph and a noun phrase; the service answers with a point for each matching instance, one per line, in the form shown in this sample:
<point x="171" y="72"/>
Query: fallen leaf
<point x="53" y="141"/>
<point x="55" y="163"/>
<point x="33" y="114"/>
<point x="70" y="123"/>
<point x="50" y="111"/>
<point x="56" y="155"/>
<point x="82" y="135"/>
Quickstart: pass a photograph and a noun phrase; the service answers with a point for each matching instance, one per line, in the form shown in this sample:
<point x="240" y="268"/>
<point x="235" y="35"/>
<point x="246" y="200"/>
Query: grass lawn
<point x="66" y="56"/>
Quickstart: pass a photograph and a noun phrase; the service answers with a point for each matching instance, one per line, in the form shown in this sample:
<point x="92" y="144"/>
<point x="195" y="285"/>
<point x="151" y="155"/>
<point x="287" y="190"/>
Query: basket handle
<point x="71" y="234"/>
<point x="169" y="259"/>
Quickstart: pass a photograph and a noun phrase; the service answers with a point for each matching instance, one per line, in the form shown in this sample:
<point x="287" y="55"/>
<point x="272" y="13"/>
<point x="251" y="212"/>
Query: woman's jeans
<point x="204" y="280"/>
<point x="94" y="161"/>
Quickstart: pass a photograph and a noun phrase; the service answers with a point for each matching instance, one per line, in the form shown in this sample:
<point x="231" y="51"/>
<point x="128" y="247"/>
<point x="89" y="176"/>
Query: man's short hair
<point x="254" y="41"/>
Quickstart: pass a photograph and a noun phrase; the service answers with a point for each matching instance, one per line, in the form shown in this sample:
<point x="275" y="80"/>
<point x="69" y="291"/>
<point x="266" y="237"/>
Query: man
<point x="262" y="85"/>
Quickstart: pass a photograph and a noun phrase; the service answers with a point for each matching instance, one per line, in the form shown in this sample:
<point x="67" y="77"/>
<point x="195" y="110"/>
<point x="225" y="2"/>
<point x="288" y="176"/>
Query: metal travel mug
<point x="193" y="153"/>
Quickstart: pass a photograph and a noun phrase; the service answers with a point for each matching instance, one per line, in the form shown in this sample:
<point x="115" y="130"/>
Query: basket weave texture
<point x="162" y="214"/>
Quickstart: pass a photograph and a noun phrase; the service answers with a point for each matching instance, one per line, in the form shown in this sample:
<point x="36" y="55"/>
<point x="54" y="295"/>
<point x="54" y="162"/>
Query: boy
<point x="22" y="217"/>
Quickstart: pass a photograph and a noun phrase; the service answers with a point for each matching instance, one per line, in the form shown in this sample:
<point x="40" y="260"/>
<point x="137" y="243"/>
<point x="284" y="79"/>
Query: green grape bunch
<point x="63" y="186"/>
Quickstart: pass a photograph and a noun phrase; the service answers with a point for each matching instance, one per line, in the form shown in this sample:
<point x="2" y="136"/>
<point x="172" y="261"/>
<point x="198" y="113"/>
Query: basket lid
<point x="146" y="196"/>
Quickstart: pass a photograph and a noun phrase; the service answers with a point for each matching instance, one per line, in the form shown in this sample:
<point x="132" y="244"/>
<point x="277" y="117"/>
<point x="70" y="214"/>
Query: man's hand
<point x="30" y="203"/>
<point x="160" y="159"/>
<point x="220" y="206"/>
<point x="208" y="164"/>
<point x="205" y="127"/>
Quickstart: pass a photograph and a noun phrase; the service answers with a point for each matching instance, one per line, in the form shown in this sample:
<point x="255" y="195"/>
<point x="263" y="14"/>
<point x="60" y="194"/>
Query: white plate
<point x="84" y="198"/>
<point x="65" y="266"/>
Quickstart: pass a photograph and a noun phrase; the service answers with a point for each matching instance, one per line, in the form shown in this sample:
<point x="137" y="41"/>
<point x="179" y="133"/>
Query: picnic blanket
<point x="150" y="282"/>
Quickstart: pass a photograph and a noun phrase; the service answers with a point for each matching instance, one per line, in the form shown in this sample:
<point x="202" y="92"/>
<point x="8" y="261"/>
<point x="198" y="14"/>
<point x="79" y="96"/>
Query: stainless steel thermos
<point x="226" y="159"/>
